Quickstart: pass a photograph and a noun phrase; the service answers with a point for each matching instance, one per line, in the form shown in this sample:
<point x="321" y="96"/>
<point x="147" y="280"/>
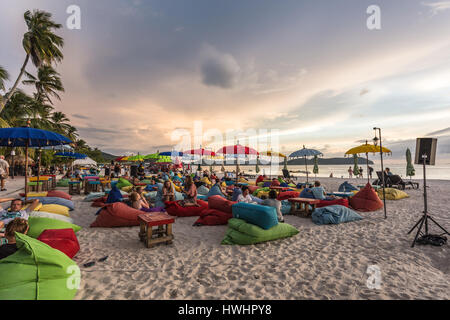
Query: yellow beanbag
<point x="127" y="189"/>
<point x="262" y="193"/>
<point x="392" y="194"/>
<point x="25" y="207"/>
<point x="206" y="180"/>
<point x="37" y="194"/>
<point x="177" y="188"/>
<point x="55" y="208"/>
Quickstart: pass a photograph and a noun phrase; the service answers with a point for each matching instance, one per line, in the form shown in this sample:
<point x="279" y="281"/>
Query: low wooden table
<point x="303" y="206"/>
<point x="152" y="236"/>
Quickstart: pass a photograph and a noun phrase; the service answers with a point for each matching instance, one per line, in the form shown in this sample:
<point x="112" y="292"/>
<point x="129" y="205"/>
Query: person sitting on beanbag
<point x="16" y="210"/>
<point x="168" y="192"/>
<point x="138" y="202"/>
<point x="190" y="190"/>
<point x="8" y="246"/>
<point x="245" y="196"/>
<point x="319" y="192"/>
<point x="273" y="202"/>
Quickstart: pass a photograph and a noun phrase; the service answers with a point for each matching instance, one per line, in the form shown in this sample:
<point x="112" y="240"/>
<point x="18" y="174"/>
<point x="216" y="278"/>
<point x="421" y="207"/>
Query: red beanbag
<point x="288" y="195"/>
<point x="117" y="214"/>
<point x="253" y="188"/>
<point x="99" y="203"/>
<point x="220" y="203"/>
<point x="366" y="200"/>
<point x="59" y="194"/>
<point x="175" y="209"/>
<point x="275" y="183"/>
<point x="325" y="203"/>
<point x="213" y="217"/>
<point x="63" y="240"/>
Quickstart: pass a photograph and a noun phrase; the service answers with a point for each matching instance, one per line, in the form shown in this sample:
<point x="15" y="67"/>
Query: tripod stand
<point x="424" y="220"/>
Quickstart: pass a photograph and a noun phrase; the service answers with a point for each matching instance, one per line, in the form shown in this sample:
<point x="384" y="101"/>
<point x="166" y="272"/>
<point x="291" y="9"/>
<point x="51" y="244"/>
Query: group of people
<point x="360" y="174"/>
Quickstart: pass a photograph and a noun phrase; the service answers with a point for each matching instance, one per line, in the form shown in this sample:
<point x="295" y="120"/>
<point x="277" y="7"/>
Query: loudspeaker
<point x="426" y="146"/>
<point x="133" y="171"/>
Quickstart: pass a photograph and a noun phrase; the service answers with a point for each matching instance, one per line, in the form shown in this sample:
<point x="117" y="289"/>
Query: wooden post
<point x="26" y="171"/>
<point x="39" y="168"/>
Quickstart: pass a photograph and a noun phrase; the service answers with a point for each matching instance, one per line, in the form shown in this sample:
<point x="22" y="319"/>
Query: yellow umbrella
<point x="272" y="154"/>
<point x="367" y="148"/>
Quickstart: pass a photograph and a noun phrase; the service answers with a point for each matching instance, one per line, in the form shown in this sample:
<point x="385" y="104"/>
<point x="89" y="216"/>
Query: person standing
<point x="370" y="172"/>
<point x="350" y="172"/>
<point x="361" y="172"/>
<point x="4" y="172"/>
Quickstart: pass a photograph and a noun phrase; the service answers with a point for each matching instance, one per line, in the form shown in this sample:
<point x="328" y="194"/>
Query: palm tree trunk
<point x="11" y="92"/>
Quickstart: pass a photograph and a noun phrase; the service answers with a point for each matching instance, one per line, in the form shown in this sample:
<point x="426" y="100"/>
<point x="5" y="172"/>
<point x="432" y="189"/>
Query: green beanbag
<point x="38" y="224"/>
<point x="123" y="183"/>
<point x="37" y="272"/>
<point x="240" y="232"/>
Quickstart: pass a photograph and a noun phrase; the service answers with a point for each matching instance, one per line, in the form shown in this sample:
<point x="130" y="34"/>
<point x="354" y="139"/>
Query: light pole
<point x="375" y="142"/>
<point x="13" y="153"/>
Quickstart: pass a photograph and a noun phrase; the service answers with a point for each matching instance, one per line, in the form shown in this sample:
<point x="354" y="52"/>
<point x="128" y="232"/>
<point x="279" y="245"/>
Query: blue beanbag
<point x="236" y="193"/>
<point x="215" y="191"/>
<point x="347" y="187"/>
<point x="334" y="215"/>
<point x="306" y="193"/>
<point x="261" y="216"/>
<point x="229" y="183"/>
<point x="54" y="200"/>
<point x="150" y="187"/>
<point x="267" y="184"/>
<point x="114" y="195"/>
<point x="284" y="185"/>
<point x="202" y="197"/>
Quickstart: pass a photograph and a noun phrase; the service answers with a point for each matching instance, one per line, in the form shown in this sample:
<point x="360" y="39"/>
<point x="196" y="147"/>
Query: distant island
<point x="296" y="162"/>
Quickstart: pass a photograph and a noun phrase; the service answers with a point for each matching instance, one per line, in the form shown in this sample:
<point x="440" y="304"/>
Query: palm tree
<point x="47" y="83"/>
<point x="3" y="76"/>
<point x="40" y="44"/>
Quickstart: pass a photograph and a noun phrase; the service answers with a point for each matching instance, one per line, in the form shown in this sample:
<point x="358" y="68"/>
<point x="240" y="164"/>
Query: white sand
<point x="321" y="262"/>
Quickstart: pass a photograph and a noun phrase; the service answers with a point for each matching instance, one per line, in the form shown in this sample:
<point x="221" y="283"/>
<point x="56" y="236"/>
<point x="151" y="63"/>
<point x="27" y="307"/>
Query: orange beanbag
<point x="117" y="214"/>
<point x="220" y="203"/>
<point x="253" y="188"/>
<point x="366" y="200"/>
<point x="59" y="194"/>
<point x="325" y="203"/>
<point x="213" y="217"/>
<point x="175" y="209"/>
<point x="288" y="195"/>
<point x="63" y="240"/>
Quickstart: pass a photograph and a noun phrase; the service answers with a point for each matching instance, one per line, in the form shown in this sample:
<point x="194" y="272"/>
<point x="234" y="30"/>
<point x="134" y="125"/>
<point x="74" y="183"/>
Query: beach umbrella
<point x="355" y="165"/>
<point x="71" y="155"/>
<point x="136" y="158"/>
<point x="410" y="171"/>
<point x="304" y="153"/>
<point x="316" y="165"/>
<point x="273" y="154"/>
<point x="171" y="154"/>
<point x="164" y="159"/>
<point x="29" y="137"/>
<point x="366" y="148"/>
<point x="152" y="156"/>
<point x="237" y="150"/>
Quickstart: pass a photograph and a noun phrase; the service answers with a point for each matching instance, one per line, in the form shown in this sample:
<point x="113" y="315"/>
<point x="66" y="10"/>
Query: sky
<point x="143" y="75"/>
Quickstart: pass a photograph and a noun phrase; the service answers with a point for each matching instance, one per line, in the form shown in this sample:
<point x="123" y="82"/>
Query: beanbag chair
<point x="42" y="214"/>
<point x="275" y="183"/>
<point x="221" y="204"/>
<point x="288" y="195"/>
<point x="34" y="194"/>
<point x="94" y="196"/>
<point x="116" y="214"/>
<point x="236" y="193"/>
<point x="366" y="200"/>
<point x="123" y="183"/>
<point x="206" y="181"/>
<point x="347" y="187"/>
<point x="307" y="193"/>
<point x="114" y="196"/>
<point x="262" y="193"/>
<point x="229" y="183"/>
<point x="56" y="209"/>
<point x="202" y="190"/>
<point x="63" y="240"/>
<point x="213" y="217"/>
<point x="55" y="200"/>
<point x="127" y="188"/>
<point x="215" y="191"/>
<point x="334" y="215"/>
<point x="99" y="203"/>
<point x="37" y="272"/>
<point x="262" y="216"/>
<point x="243" y="233"/>
<point x="284" y="185"/>
<point x="37" y="225"/>
<point x="202" y="197"/>
<point x="392" y="194"/>
<point x="253" y="188"/>
<point x="267" y="184"/>
<point x="326" y="203"/>
<point x="150" y="187"/>
<point x="59" y="194"/>
<point x="175" y="209"/>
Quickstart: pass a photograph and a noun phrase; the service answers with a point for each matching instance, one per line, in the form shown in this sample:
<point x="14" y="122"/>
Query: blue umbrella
<point x="304" y="153"/>
<point x="171" y="154"/>
<point x="71" y="155"/>
<point x="29" y="137"/>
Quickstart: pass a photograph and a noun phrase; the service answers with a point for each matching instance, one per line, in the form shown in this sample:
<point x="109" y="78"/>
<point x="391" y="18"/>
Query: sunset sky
<point x="138" y="70"/>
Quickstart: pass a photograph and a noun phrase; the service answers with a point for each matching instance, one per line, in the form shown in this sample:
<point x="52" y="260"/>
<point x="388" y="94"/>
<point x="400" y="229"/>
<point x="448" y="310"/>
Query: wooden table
<point x="162" y="234"/>
<point x="303" y="206"/>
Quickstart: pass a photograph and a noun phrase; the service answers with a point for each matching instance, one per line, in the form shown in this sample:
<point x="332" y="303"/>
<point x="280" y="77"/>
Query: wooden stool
<point x="75" y="187"/>
<point x="92" y="186"/>
<point x="162" y="234"/>
<point x="303" y="206"/>
<point x="33" y="186"/>
<point x="105" y="184"/>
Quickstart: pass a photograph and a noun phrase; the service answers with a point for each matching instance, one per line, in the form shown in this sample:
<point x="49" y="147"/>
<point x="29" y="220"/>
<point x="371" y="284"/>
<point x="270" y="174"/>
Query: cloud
<point x="439" y="132"/>
<point x="364" y="91"/>
<point x="79" y="116"/>
<point x="219" y="69"/>
<point x="437" y="7"/>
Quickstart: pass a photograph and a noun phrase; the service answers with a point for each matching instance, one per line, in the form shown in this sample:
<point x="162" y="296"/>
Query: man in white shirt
<point x="4" y="172"/>
<point x="245" y="196"/>
<point x="16" y="210"/>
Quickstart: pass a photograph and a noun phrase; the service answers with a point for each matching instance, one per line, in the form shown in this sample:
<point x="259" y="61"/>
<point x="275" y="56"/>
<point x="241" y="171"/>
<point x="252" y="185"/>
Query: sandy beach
<point x="321" y="262"/>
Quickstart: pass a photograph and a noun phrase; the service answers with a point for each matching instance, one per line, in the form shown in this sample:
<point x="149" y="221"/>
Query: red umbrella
<point x="119" y="158"/>
<point x="237" y="150"/>
<point x="202" y="152"/>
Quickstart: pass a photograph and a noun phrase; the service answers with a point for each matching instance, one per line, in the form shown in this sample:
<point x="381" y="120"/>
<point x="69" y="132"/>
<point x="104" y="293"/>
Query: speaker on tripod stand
<point x="426" y="155"/>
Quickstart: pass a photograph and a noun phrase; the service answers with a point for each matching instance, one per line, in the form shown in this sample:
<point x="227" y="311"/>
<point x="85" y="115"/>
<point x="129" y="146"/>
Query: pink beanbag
<point x="253" y="188"/>
<point x="213" y="217"/>
<point x="275" y="183"/>
<point x="117" y="214"/>
<point x="366" y="200"/>
<point x="325" y="203"/>
<point x="59" y="194"/>
<point x="63" y="240"/>
<point x="220" y="203"/>
<point x="288" y="195"/>
<point x="175" y="209"/>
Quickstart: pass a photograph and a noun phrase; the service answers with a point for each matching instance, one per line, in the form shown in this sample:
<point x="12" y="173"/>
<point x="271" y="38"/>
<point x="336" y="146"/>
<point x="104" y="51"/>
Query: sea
<point x="441" y="171"/>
